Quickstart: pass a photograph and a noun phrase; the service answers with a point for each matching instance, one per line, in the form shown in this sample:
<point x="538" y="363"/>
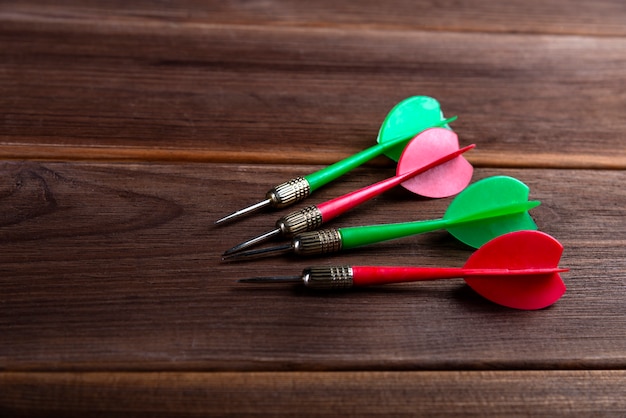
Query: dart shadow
<point x="474" y="302"/>
<point x="462" y="294"/>
<point x="466" y="297"/>
<point x="404" y="195"/>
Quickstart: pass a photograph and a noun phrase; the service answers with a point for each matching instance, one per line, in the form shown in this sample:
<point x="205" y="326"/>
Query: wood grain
<point x="135" y="281"/>
<point x="234" y="90"/>
<point x="491" y="394"/>
<point x="127" y="128"/>
<point x="578" y="17"/>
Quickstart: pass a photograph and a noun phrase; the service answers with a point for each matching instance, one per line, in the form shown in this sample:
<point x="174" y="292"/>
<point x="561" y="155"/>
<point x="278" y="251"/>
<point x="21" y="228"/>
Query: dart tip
<point x="221" y="220"/>
<point x="259" y="253"/>
<point x="272" y="279"/>
<point x="245" y="211"/>
<point x="253" y="241"/>
<point x="230" y="251"/>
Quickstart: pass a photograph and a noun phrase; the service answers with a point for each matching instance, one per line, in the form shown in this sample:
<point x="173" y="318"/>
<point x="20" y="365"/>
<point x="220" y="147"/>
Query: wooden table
<point x="128" y="128"/>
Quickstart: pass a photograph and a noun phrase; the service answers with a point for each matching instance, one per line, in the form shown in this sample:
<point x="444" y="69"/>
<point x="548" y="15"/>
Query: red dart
<point x="518" y="270"/>
<point x="431" y="165"/>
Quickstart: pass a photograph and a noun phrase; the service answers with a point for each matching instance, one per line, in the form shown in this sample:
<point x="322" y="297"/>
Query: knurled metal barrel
<point x="317" y="242"/>
<point x="289" y="192"/>
<point x="336" y="277"/>
<point x="305" y="219"/>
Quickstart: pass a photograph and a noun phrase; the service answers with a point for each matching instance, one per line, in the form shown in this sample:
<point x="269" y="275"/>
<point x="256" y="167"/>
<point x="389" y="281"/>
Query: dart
<point x="517" y="270"/>
<point x="483" y="211"/>
<point x="408" y="118"/>
<point x="441" y="171"/>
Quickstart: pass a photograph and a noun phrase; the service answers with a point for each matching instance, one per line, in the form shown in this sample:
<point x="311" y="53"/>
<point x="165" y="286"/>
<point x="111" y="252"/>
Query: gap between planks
<point x="120" y="154"/>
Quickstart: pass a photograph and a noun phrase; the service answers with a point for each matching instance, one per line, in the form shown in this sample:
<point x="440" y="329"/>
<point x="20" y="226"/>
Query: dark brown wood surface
<point x="441" y="393"/>
<point x="127" y="128"/>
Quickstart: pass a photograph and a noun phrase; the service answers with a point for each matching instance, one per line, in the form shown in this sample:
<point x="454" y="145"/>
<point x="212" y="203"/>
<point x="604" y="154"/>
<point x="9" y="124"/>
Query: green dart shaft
<point x="333" y="240"/>
<point x="336" y="170"/>
<point x="358" y="236"/>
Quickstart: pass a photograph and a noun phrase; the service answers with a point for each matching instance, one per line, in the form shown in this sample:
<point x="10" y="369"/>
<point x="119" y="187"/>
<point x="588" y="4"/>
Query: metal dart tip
<point x="272" y="279"/>
<point x="249" y="209"/>
<point x="262" y="252"/>
<point x="253" y="241"/>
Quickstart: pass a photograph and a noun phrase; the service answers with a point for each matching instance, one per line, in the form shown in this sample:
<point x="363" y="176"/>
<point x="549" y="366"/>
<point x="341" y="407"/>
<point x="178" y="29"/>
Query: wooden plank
<point x="485" y="394"/>
<point x="117" y="267"/>
<point x="238" y="94"/>
<point x="113" y="298"/>
<point x="600" y="17"/>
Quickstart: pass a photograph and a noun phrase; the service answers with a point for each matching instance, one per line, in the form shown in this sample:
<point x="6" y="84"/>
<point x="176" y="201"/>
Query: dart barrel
<point x="335" y="277"/>
<point x="317" y="242"/>
<point x="305" y="219"/>
<point x="289" y="192"/>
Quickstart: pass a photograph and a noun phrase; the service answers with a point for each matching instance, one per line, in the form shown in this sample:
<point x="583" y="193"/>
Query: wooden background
<point x="128" y="128"/>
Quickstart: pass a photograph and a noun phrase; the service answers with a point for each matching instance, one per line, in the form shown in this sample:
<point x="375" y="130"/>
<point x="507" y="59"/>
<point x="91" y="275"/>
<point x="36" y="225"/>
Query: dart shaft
<point x="333" y="240"/>
<point x="335" y="207"/>
<point x="359" y="236"/>
<point x="326" y="241"/>
<point x="338" y="169"/>
<point x="375" y="275"/>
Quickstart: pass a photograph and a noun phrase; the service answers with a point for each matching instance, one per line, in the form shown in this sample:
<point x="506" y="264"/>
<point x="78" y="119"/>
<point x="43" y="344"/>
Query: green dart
<point x="483" y="211"/>
<point x="407" y="119"/>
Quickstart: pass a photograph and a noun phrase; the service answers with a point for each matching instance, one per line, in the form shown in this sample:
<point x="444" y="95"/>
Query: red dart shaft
<point x="335" y="207"/>
<point x="377" y="275"/>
